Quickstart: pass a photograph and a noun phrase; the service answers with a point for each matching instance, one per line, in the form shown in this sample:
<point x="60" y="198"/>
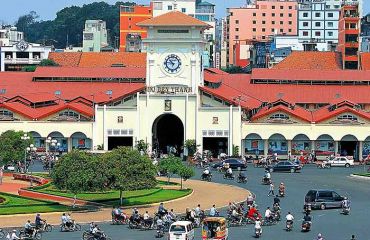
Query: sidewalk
<point x="12" y="186"/>
<point x="204" y="193"/>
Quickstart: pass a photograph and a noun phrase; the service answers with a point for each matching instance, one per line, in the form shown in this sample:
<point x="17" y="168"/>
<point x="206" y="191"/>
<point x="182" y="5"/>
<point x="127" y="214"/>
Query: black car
<point x="234" y="163"/>
<point x="285" y="166"/>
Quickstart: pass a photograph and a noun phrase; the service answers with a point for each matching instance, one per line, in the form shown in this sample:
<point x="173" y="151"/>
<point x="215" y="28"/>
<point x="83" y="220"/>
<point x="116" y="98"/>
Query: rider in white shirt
<point x="268" y="214"/>
<point x="257" y="225"/>
<point x="289" y="217"/>
<point x="229" y="171"/>
<point x="213" y="211"/>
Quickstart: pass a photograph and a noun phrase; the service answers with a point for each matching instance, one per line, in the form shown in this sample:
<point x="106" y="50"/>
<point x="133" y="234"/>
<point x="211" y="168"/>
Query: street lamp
<point x="31" y="149"/>
<point x="52" y="143"/>
<point x="25" y="137"/>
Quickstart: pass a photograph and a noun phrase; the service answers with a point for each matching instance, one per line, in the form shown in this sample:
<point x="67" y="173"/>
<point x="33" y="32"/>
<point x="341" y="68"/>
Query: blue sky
<point x="10" y="10"/>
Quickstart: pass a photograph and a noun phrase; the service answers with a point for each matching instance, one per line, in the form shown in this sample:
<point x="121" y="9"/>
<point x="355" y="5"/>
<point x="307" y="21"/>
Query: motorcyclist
<point x="267" y="176"/>
<point x="253" y="213"/>
<point x="189" y="215"/>
<point x="346" y="203"/>
<point x="229" y="172"/>
<point x="250" y="200"/>
<point x="117" y="213"/>
<point x="289" y="218"/>
<point x="96" y="232"/>
<point x="235" y="215"/>
<point x="307" y="208"/>
<point x="320" y="237"/>
<point x="161" y="210"/>
<point x="38" y="221"/>
<point x="91" y="227"/>
<point x="206" y="173"/>
<point x="307" y="219"/>
<point x="198" y="211"/>
<point x="135" y="218"/>
<point x="213" y="211"/>
<point x="281" y="189"/>
<point x="242" y="176"/>
<point x="277" y="209"/>
<point x="268" y="214"/>
<point x="277" y="200"/>
<point x="257" y="225"/>
<point x="28" y="228"/>
<point x="147" y="219"/>
<point x="172" y="215"/>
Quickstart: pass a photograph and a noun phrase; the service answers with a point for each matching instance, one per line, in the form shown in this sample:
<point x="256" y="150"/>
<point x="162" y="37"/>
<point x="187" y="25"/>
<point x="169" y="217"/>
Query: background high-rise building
<point x="9" y="35"/>
<point x="131" y="34"/>
<point x="258" y="21"/>
<point x="95" y="36"/>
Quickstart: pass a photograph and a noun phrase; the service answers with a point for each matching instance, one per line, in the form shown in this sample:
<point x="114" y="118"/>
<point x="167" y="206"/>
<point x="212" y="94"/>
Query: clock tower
<point x="174" y="49"/>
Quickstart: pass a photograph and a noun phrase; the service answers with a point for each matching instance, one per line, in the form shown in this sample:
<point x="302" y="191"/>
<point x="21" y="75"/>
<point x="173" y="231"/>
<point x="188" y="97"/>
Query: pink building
<point x="257" y="22"/>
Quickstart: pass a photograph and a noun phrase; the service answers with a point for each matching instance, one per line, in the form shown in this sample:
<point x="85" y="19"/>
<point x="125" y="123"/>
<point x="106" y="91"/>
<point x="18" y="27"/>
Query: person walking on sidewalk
<point x="271" y="190"/>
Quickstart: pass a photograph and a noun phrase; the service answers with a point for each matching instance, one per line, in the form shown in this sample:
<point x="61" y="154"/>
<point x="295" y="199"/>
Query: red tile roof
<point x="98" y="59"/>
<point x="311" y="61"/>
<point x="214" y="75"/>
<point x="365" y="61"/>
<point x="297" y="111"/>
<point x="171" y="19"/>
<point x="96" y="72"/>
<point x="310" y="75"/>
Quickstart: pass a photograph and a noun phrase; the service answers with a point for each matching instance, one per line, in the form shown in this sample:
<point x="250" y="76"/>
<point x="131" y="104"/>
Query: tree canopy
<point x="68" y="26"/>
<point x="12" y="147"/>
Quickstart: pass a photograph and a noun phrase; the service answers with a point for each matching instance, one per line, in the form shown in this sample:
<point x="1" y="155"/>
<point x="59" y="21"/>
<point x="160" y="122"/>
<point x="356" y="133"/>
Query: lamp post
<point x="31" y="149"/>
<point x="25" y="137"/>
<point x="52" y="143"/>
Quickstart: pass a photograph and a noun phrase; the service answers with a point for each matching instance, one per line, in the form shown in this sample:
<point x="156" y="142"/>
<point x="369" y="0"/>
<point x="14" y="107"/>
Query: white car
<point x="340" y="162"/>
<point x="181" y="230"/>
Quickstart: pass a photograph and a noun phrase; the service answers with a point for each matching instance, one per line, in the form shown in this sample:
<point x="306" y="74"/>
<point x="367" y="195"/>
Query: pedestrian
<point x="271" y="191"/>
<point x="1" y="175"/>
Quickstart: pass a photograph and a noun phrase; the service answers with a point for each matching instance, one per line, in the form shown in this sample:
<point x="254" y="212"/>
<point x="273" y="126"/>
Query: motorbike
<point x="276" y="212"/>
<point x="307" y="208"/>
<point x="45" y="227"/>
<point x="74" y="227"/>
<point x="258" y="232"/>
<point x="207" y="177"/>
<point x="160" y="232"/>
<point x="306" y="226"/>
<point x="242" y="179"/>
<point x="35" y="236"/>
<point x="90" y="236"/>
<point x="346" y="210"/>
<point x="324" y="165"/>
<point x="281" y="193"/>
<point x="266" y="181"/>
<point x="289" y="226"/>
<point x="229" y="176"/>
<point x="2" y="233"/>
<point x="119" y="220"/>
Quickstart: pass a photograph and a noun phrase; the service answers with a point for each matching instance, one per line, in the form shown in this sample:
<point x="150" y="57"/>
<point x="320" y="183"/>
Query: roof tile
<point x="174" y="18"/>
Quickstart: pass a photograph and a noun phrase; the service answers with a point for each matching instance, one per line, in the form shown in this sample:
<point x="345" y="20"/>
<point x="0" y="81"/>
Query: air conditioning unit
<point x="37" y="57"/>
<point x="8" y="57"/>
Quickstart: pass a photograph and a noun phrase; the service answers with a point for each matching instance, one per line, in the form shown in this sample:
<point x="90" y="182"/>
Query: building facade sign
<point x="169" y="89"/>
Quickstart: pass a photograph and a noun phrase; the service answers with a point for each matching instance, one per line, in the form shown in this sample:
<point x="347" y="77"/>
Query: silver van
<point x="322" y="199"/>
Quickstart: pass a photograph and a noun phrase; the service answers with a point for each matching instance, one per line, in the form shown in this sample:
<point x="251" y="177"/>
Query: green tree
<point x="142" y="146"/>
<point x="79" y="171"/>
<point x="235" y="150"/>
<point x="26" y="20"/>
<point x="12" y="147"/>
<point x="191" y="145"/>
<point x="48" y="62"/>
<point x="185" y="173"/>
<point x="170" y="166"/>
<point x="129" y="170"/>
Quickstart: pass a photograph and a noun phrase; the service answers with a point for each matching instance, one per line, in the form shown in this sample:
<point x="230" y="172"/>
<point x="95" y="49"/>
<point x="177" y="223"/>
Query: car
<point x="234" y="163"/>
<point x="181" y="230"/>
<point x="340" y="162"/>
<point x="285" y="166"/>
<point x="322" y="199"/>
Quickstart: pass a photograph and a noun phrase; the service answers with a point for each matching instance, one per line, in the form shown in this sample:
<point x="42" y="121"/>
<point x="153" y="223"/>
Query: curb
<point x="359" y="177"/>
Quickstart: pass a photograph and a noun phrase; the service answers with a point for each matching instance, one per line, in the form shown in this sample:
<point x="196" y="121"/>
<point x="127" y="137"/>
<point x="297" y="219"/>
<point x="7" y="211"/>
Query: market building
<point x="305" y="103"/>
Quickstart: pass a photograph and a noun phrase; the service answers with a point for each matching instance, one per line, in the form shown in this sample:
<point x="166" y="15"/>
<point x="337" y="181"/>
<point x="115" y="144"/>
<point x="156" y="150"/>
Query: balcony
<point x="352" y="31"/>
<point x="352" y="58"/>
<point x="351" y="44"/>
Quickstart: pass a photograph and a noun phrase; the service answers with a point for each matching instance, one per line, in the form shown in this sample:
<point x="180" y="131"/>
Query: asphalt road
<point x="330" y="223"/>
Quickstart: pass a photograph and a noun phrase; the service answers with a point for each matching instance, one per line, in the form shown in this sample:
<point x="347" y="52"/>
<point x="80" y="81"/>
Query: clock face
<point x="172" y="63"/>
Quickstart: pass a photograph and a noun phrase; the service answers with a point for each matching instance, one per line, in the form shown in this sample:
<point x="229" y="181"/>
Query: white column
<point x="137" y="132"/>
<point x="336" y="147"/>
<point x="313" y="145"/>
<point x="266" y="147"/>
<point x="105" y="134"/>
<point x="2" y="59"/>
<point x="186" y="117"/>
<point x="30" y="55"/>
<point x="198" y="135"/>
<point x="230" y="142"/>
<point x="69" y="144"/>
<point x="94" y="140"/>
<point x="360" y="146"/>
<point x="289" y="146"/>
<point x="193" y="74"/>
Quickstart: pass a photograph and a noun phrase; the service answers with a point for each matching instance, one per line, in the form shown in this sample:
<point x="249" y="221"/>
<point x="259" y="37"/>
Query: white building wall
<point x="165" y="6"/>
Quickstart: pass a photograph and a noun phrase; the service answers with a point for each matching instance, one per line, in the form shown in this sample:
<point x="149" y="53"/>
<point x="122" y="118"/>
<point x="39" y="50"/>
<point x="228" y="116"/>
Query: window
<point x="183" y="10"/>
<point x="236" y="36"/>
<point x="327" y="6"/>
<point x="290" y="30"/>
<point x="281" y="7"/>
<point x="336" y="6"/>
<point x="263" y="22"/>
<point x="157" y="6"/>
<point x="290" y="7"/>
<point x="273" y="14"/>
<point x="281" y="30"/>
<point x="317" y="34"/>
<point x="330" y="24"/>
<point x="281" y="14"/>
<point x="317" y="14"/>
<point x="263" y="14"/>
<point x="317" y="24"/>
<point x="254" y="29"/>
<point x="263" y="29"/>
<point x="5" y="115"/>
<point x="347" y="117"/>
<point x="273" y="7"/>
<point x="169" y="8"/>
<point x="305" y="14"/>
<point x="273" y="30"/>
<point x="254" y="22"/>
<point x="305" y="33"/>
<point x="236" y="21"/>
<point x="273" y="22"/>
<point x="279" y="116"/>
<point x="290" y="22"/>
<point x="330" y="14"/>
<point x="290" y="15"/>
<point x="330" y="34"/>
<point x="305" y="24"/>
<point x="254" y="14"/>
<point x="281" y="22"/>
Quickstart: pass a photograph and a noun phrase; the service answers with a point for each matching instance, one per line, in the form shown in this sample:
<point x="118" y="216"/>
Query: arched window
<point x="6" y="113"/>
<point x="279" y="116"/>
<point x="348" y="117"/>
<point x="70" y="114"/>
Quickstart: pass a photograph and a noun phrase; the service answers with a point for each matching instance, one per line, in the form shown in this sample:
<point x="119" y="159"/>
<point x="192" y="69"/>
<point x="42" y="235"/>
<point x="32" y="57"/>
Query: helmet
<point x="319" y="235"/>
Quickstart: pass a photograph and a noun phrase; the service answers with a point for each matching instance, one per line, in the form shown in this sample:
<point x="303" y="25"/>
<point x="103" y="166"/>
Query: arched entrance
<point x="168" y="133"/>
<point x="348" y="146"/>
